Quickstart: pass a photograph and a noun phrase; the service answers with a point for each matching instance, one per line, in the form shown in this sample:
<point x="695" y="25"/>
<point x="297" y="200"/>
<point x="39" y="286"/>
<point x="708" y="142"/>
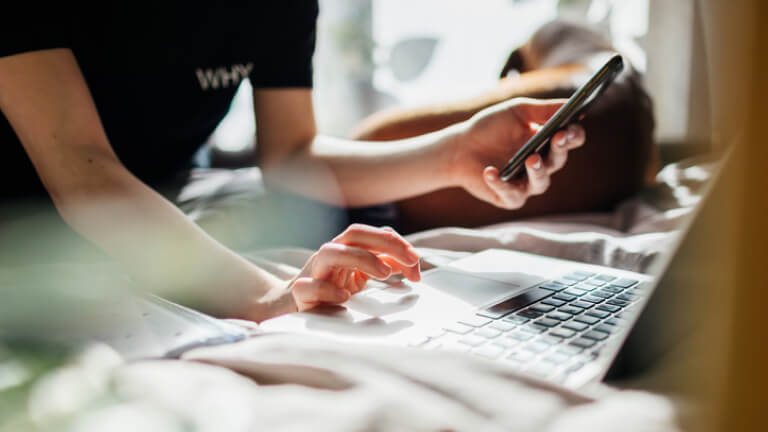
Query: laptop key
<point x="553" y="286"/>
<point x="553" y="302"/>
<point x="534" y="328"/>
<point x="516" y="319"/>
<point x="568" y="350"/>
<point x="603" y="294"/>
<point x="618" y="302"/>
<point x="475" y="321"/>
<point x="491" y="315"/>
<point x="542" y="308"/>
<point x="585" y="286"/>
<point x="536" y="347"/>
<point x="559" y="316"/>
<point x="472" y="340"/>
<point x="567" y="282"/>
<point x="519" y="301"/>
<point x="605" y="277"/>
<point x="595" y="335"/>
<point x="565" y="297"/>
<point x="549" y="340"/>
<point x="506" y="342"/>
<point x="614" y="322"/>
<point x="521" y="336"/>
<point x="502" y="326"/>
<point x="608" y="308"/>
<point x="598" y="314"/>
<point x="582" y="343"/>
<point x="592" y="299"/>
<point x="594" y="282"/>
<point x="627" y="297"/>
<point x="581" y="304"/>
<point x="613" y="288"/>
<point x="575" y="292"/>
<point x="563" y="333"/>
<point x="488" y="333"/>
<point x="458" y="328"/>
<point x="547" y="322"/>
<point x="571" y="310"/>
<point x="586" y="319"/>
<point x="575" y="326"/>
<point x="625" y="283"/>
<point x="574" y="277"/>
<point x="530" y="314"/>
<point x="605" y="328"/>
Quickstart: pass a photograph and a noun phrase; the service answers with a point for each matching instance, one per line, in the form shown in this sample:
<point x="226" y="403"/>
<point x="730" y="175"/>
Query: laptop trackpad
<point x="478" y="290"/>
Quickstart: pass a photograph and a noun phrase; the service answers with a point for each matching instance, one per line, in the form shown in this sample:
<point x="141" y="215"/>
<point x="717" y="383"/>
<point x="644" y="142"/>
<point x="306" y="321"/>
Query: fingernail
<point x="560" y="142"/>
<point x="571" y="132"/>
<point x="417" y="272"/>
<point x="490" y="177"/>
<point x="413" y="254"/>
<point x="537" y="165"/>
<point x="384" y="270"/>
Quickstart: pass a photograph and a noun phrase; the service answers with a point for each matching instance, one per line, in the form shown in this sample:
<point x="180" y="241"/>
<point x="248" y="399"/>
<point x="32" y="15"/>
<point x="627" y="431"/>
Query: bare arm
<point x="399" y="123"/>
<point x="358" y="173"/>
<point x="45" y="98"/>
<point x="340" y="171"/>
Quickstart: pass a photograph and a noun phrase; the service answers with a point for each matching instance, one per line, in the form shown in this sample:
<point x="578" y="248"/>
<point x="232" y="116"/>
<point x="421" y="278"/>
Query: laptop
<point x="563" y="321"/>
<point x="566" y="322"/>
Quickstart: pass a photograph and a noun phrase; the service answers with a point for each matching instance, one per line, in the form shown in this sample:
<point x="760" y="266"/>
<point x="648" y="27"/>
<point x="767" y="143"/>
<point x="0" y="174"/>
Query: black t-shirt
<point x="163" y="76"/>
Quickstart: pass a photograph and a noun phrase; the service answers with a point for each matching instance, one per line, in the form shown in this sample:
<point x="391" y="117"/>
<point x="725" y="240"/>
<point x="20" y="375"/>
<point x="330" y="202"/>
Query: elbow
<point x="85" y="186"/>
<point x="274" y="164"/>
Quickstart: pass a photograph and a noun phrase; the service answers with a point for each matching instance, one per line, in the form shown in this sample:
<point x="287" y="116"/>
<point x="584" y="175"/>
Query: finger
<point x="567" y="139"/>
<point x="538" y="110"/>
<point x="412" y="273"/>
<point x="309" y="292"/>
<point x="333" y="256"/>
<point x="538" y="177"/>
<point x="575" y="136"/>
<point x="379" y="240"/>
<point x="510" y="195"/>
<point x="357" y="281"/>
<point x="558" y="151"/>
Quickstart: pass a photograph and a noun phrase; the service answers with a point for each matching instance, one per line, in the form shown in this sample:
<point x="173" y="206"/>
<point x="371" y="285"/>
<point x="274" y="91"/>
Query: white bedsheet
<point x="292" y="383"/>
<point x="289" y="382"/>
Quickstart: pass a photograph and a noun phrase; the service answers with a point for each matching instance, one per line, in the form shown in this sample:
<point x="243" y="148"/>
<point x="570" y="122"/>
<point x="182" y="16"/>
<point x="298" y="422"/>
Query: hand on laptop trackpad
<point x="478" y="288"/>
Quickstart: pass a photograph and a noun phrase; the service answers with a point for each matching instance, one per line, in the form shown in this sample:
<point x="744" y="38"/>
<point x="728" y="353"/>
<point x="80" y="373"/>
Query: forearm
<point x="399" y="123"/>
<point x="359" y="173"/>
<point x="159" y="245"/>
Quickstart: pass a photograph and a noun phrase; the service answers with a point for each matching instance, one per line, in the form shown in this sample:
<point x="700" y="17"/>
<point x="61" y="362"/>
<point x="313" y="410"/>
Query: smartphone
<point x="573" y="110"/>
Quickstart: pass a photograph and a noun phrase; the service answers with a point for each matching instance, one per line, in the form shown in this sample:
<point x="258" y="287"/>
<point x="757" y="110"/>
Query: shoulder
<point x="300" y="10"/>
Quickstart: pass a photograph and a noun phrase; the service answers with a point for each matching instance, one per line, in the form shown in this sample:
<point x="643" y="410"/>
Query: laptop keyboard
<point x="551" y="330"/>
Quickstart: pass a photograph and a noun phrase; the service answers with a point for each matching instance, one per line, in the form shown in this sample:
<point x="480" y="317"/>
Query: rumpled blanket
<point x="295" y="383"/>
<point x="291" y="382"/>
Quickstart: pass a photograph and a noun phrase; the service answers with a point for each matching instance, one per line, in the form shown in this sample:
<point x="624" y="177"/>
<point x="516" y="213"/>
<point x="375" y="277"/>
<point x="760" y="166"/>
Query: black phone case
<point x="575" y="108"/>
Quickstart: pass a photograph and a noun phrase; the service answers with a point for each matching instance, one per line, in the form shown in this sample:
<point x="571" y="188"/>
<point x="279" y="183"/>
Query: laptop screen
<point x="670" y="315"/>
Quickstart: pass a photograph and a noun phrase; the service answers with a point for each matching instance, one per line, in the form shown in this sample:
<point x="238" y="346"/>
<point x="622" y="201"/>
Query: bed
<point x="293" y="382"/>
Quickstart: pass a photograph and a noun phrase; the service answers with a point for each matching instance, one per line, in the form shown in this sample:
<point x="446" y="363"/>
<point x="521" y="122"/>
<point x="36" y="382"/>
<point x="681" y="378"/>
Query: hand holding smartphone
<point x="572" y="110"/>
